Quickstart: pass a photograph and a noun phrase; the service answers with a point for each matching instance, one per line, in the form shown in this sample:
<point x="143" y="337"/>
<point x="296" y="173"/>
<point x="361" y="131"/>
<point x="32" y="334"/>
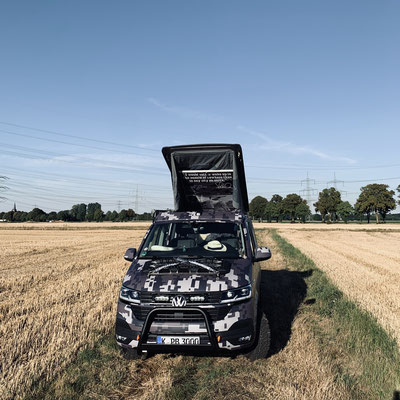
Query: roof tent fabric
<point x="207" y="176"/>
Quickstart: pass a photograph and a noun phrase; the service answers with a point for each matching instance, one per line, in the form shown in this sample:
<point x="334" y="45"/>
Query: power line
<point x="71" y="178"/>
<point x="57" y="154"/>
<point x="68" y="143"/>
<point x="308" y="191"/>
<point x="148" y="171"/>
<point x="335" y="182"/>
<point x="76" y="136"/>
<point x="319" y="168"/>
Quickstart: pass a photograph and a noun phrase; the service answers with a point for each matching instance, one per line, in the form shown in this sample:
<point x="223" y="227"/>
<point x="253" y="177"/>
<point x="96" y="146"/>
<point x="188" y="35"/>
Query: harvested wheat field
<point x="58" y="292"/>
<point x="58" y="295"/>
<point x="364" y="265"/>
<point x="319" y="226"/>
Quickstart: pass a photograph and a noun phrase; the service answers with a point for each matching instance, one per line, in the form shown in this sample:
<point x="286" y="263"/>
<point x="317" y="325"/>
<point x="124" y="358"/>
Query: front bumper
<point x="227" y="327"/>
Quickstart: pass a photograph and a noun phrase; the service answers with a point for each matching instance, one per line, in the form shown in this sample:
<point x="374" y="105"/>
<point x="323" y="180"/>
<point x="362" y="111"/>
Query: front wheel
<point x="263" y="337"/>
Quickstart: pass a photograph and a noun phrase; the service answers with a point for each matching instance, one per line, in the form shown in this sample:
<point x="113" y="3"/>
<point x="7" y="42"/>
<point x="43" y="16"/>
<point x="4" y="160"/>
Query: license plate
<point x="178" y="340"/>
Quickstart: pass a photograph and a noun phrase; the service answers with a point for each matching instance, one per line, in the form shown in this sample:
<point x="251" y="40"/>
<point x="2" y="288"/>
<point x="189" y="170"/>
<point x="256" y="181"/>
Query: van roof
<point x="208" y="215"/>
<point x="207" y="177"/>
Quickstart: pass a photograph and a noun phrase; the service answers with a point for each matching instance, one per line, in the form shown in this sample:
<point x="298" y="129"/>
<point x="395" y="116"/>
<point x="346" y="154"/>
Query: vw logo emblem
<point x="179" y="301"/>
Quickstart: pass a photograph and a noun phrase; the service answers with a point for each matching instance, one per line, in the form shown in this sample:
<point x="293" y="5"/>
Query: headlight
<point x="236" y="294"/>
<point x="133" y="296"/>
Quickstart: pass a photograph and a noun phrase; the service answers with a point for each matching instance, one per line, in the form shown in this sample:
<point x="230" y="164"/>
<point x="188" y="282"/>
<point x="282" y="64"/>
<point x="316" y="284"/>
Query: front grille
<point x="181" y="315"/>
<point x="209" y="297"/>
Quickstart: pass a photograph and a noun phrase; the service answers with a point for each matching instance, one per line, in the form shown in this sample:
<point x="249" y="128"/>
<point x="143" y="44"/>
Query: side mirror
<point x="263" y="253"/>
<point x="130" y="254"/>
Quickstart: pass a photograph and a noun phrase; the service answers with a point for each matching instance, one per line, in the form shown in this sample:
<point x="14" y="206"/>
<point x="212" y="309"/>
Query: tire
<point x="261" y="347"/>
<point x="131" y="354"/>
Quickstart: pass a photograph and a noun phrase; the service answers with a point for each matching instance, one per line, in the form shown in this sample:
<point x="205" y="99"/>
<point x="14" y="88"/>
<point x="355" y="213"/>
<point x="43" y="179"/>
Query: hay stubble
<point x="364" y="265"/>
<point x="58" y="292"/>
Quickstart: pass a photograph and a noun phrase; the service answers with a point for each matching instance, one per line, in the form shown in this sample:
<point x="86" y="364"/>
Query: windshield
<point x="193" y="239"/>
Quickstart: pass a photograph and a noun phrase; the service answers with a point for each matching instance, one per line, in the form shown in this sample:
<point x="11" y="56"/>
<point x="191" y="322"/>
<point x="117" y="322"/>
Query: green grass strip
<point x="366" y="356"/>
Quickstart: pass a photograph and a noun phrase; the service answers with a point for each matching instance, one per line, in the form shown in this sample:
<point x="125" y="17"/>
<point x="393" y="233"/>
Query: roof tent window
<point x="207" y="177"/>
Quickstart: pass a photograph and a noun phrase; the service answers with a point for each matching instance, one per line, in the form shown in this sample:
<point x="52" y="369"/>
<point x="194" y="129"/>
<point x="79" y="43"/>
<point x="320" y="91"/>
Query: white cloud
<point x="185" y="112"/>
<point x="292" y="148"/>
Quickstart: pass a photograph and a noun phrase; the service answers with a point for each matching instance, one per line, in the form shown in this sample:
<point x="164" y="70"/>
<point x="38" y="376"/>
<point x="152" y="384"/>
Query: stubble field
<point x="58" y="290"/>
<point x="365" y="265"/>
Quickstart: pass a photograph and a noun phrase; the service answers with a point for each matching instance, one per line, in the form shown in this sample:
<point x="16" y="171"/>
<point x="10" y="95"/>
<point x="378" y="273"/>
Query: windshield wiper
<point x="183" y="261"/>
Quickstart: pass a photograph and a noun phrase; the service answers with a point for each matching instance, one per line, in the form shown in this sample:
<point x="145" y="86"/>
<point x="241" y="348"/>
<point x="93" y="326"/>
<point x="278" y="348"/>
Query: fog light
<point x="161" y="298"/>
<point x="245" y="338"/>
<point x="197" y="299"/>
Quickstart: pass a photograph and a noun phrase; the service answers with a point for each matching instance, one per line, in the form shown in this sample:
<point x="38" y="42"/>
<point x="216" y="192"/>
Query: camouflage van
<point x="194" y="282"/>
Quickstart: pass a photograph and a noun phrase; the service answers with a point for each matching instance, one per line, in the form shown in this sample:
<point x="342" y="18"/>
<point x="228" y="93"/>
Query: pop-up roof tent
<point x="207" y="176"/>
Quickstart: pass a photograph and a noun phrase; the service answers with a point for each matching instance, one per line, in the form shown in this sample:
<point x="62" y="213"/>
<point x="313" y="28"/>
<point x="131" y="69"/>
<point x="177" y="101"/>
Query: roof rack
<point x="155" y="213"/>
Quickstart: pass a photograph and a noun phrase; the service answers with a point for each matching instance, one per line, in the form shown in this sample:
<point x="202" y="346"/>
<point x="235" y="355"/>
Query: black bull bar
<point x="143" y="345"/>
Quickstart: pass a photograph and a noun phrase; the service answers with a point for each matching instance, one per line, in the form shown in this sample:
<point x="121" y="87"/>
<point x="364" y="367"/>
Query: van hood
<point x="207" y="176"/>
<point x="238" y="274"/>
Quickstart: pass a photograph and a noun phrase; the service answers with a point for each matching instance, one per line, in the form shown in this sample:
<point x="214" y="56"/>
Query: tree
<point x="20" y="216"/>
<point x="37" y="215"/>
<point x="52" y="216"/>
<point x="130" y="214"/>
<point x="269" y="211"/>
<point x="64" y="215"/>
<point x="376" y="197"/>
<point x="78" y="211"/>
<point x="289" y="204"/>
<point x="345" y="209"/>
<point x="358" y="213"/>
<point x="276" y="208"/>
<point x="303" y="211"/>
<point x="398" y="189"/>
<point x="257" y="207"/>
<point x="114" y="216"/>
<point x="98" y="215"/>
<point x="327" y="203"/>
<point x="9" y="216"/>
<point x="91" y="208"/>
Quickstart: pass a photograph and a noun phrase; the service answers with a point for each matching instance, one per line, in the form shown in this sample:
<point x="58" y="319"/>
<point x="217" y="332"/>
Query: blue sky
<point x="306" y="86"/>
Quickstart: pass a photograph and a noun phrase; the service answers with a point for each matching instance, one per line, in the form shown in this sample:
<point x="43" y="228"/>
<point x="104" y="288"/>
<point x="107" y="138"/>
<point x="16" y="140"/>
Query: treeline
<point x="91" y="212"/>
<point x="291" y="207"/>
<point x="375" y="200"/>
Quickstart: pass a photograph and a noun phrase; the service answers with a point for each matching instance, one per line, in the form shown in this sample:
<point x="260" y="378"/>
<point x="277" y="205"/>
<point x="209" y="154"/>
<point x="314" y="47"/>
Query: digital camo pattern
<point x="226" y="344"/>
<point x="239" y="273"/>
<point x="208" y="215"/>
<point x="238" y="312"/>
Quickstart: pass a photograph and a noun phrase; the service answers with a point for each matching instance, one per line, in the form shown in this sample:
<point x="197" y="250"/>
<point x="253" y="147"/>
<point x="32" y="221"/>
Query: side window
<point x="253" y="239"/>
<point x="253" y="242"/>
